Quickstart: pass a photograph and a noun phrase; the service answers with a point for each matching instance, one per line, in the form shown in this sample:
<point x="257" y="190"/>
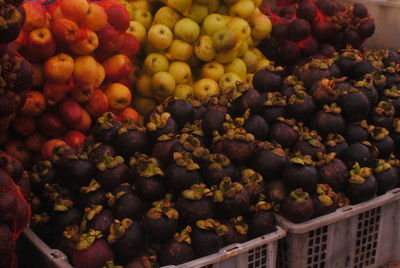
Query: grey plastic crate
<point x="257" y="253"/>
<point x="366" y="235"/>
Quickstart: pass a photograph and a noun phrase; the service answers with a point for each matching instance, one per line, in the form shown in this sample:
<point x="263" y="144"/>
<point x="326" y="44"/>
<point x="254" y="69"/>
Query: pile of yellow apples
<point x="195" y="48"/>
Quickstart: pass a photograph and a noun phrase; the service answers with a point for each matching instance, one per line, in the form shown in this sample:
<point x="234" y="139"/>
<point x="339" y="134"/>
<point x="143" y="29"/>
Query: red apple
<point x="85" y="124"/>
<point x="64" y="30"/>
<point x="16" y="148"/>
<point x="86" y="42"/>
<point x="55" y="92"/>
<point x="4" y="123"/>
<point x="98" y="104"/>
<point x="36" y="16"/>
<point x="131" y="45"/>
<point x="35" y="141"/>
<point x="24" y="125"/>
<point x="118" y="17"/>
<point x="75" y="139"/>
<point x="117" y="67"/>
<point x="47" y="148"/>
<point x="40" y="44"/>
<point x="110" y="39"/>
<point x="70" y="111"/>
<point x="49" y="123"/>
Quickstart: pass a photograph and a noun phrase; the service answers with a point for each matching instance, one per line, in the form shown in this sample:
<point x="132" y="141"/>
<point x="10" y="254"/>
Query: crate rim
<point x="339" y="214"/>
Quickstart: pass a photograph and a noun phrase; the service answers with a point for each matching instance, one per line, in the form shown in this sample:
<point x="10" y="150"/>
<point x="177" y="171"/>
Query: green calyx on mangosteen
<point x="386" y="176"/>
<point x="362" y="184"/>
<point x="324" y="200"/>
<point x="261" y="219"/>
<point x="145" y="166"/>
<point x="298" y="206"/>
<point x="301" y="173"/>
<point x="178" y="249"/>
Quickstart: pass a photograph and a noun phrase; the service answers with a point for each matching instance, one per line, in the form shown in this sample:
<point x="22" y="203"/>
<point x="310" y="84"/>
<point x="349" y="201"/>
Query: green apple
<point x="237" y="66"/>
<point x="160" y="36"/>
<point x="198" y="12"/>
<point x="183" y="6"/>
<point x="240" y="27"/>
<point x="261" y="26"/>
<point x="251" y="61"/>
<point x="187" y="30"/>
<point x="138" y="30"/>
<point x="227" y="81"/>
<point x="163" y="84"/>
<point x="167" y="16"/>
<point x="181" y="72"/>
<point x="183" y="91"/>
<point x="179" y="50"/>
<point x="213" y="70"/>
<point x="143" y="86"/>
<point x="226" y="56"/>
<point x="224" y="40"/>
<point x="213" y="6"/>
<point x="243" y="9"/>
<point x="213" y="22"/>
<point x="242" y="48"/>
<point x="205" y="88"/>
<point x="144" y="17"/>
<point x="249" y="79"/>
<point x="154" y="63"/>
<point x="204" y="48"/>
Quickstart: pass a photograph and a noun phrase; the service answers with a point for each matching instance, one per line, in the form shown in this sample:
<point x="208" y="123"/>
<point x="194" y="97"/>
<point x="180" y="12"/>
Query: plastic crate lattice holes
<point x="258" y="257"/>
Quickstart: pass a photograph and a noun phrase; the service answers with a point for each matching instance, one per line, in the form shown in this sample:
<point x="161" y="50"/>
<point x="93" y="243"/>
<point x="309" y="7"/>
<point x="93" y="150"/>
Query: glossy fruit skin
<point x="358" y="152"/>
<point x="150" y="188"/>
<point x="284" y="134"/>
<point x="192" y="210"/>
<point x="266" y="81"/>
<point x="325" y="123"/>
<point x="387" y="180"/>
<point x="233" y="236"/>
<point x="235" y="206"/>
<point x="355" y="106"/>
<point x="213" y="120"/>
<point x="128" y="206"/>
<point x="179" y="179"/>
<point x="78" y="173"/>
<point x="251" y="99"/>
<point x="95" y="256"/>
<point x="160" y="230"/>
<point x="130" y="142"/>
<point x="112" y="177"/>
<point x="205" y="242"/>
<point x="257" y="126"/>
<point x="306" y="148"/>
<point x="354" y="133"/>
<point x="101" y="222"/>
<point x="299" y="176"/>
<point x="358" y="193"/>
<point x="321" y="209"/>
<point x="268" y="164"/>
<point x="175" y="253"/>
<point x="261" y="223"/>
<point x="335" y="174"/>
<point x="94" y="198"/>
<point x="385" y="147"/>
<point x="181" y="111"/>
<point x="297" y="212"/>
<point x="131" y="244"/>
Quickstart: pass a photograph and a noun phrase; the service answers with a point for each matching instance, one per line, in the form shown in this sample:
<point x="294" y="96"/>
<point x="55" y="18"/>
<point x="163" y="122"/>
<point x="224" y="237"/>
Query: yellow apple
<point x="261" y="26"/>
<point x="187" y="30"/>
<point x="143" y="86"/>
<point x="96" y="18"/>
<point x="242" y="48"/>
<point x="243" y="9"/>
<point x="240" y="27"/>
<point x="183" y="6"/>
<point x="263" y="63"/>
<point x="251" y="61"/>
<point x="140" y="4"/>
<point x="138" y="30"/>
<point x="144" y="17"/>
<point x="213" y="22"/>
<point x="155" y="63"/>
<point x="179" y="50"/>
<point x="224" y="39"/>
<point x="237" y="66"/>
<point x="227" y="81"/>
<point x="183" y="91"/>
<point x="143" y="104"/>
<point x="167" y="16"/>
<point x="119" y="96"/>
<point x="205" y="88"/>
<point x="213" y="70"/>
<point x="163" y="84"/>
<point x="249" y="79"/>
<point x="160" y="36"/>
<point x="198" y="12"/>
<point x="213" y="6"/>
<point x="204" y="49"/>
<point x="59" y="68"/>
<point x="226" y="56"/>
<point x="181" y="72"/>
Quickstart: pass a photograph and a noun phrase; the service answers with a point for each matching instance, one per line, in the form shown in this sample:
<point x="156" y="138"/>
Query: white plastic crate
<point x="366" y="235"/>
<point x="257" y="253"/>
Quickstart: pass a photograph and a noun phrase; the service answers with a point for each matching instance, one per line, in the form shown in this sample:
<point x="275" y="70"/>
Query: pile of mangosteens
<point x="315" y="28"/>
<point x="195" y="177"/>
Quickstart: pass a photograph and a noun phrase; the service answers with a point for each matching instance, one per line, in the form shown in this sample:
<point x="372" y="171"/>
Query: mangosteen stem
<point x="184" y="236"/>
<point x="87" y="239"/>
<point x="118" y="230"/>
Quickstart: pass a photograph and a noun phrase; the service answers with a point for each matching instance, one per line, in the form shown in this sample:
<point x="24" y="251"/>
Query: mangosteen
<point x="97" y="218"/>
<point x="160" y="124"/>
<point x="199" y="108"/>
<point x="97" y="151"/>
<point x="268" y="79"/>
<point x="161" y="221"/>
<point x="395" y="133"/>
<point x="300" y="105"/>
<point x="273" y="107"/>
<point x="390" y="56"/>
<point x="148" y="177"/>
<point x="392" y="95"/>
<point x="207" y="237"/>
<point x="182" y="111"/>
<point x="290" y="84"/>
<point x="186" y="143"/>
<point x="314" y="71"/>
<point x="195" y="203"/>
<point x="253" y="182"/>
<point x="306" y="10"/>
<point x="106" y="128"/>
<point x="68" y="240"/>
<point x="275" y="191"/>
<point x="178" y="249"/>
<point x="8" y="207"/>
<point x="236" y="143"/>
<point x="78" y="171"/>
<point x="91" y="195"/>
<point x="232" y="198"/>
<point x="249" y="98"/>
<point x="392" y="76"/>
<point x="182" y="174"/>
<point x="125" y="205"/>
<point x="366" y="86"/>
<point x="195" y="131"/>
<point x="12" y="166"/>
<point x="131" y="140"/>
<point x="301" y="173"/>
<point x="362" y="185"/>
<point x="237" y="231"/>
<point x="126" y="238"/>
<point x="356" y="132"/>
<point x="351" y="37"/>
<point x="218" y="167"/>
<point x="324" y="200"/>
<point x="326" y="50"/>
<point x="382" y="115"/>
<point x="280" y="31"/>
<point x="348" y="60"/>
<point x="309" y="143"/>
<point x="309" y="46"/>
<point x="261" y="220"/>
<point x="326" y="7"/>
<point x="288" y="51"/>
<point x="61" y="155"/>
<point x="269" y="160"/>
<point x="43" y="172"/>
<point x="162" y="148"/>
<point x="386" y="176"/>
<point x="112" y="172"/>
<point x="326" y="91"/>
<point x="144" y="261"/>
<point x="354" y="104"/>
<point x="221" y="102"/>
<point x="213" y="120"/>
<point x="200" y="155"/>
<point x="364" y="153"/>
<point x="382" y="141"/>
<point x="332" y="171"/>
<point x="298" y="206"/>
<point x="366" y="28"/>
<point x="258" y="126"/>
<point x="328" y="120"/>
<point x="298" y="30"/>
<point x="285" y="132"/>
<point x="359" y="10"/>
<point x="362" y="68"/>
<point x="64" y="214"/>
<point x="91" y="251"/>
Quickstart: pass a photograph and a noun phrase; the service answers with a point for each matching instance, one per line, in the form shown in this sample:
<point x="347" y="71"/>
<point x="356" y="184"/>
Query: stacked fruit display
<point x="82" y="67"/>
<point x="196" y="47"/>
<point x="316" y="28"/>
